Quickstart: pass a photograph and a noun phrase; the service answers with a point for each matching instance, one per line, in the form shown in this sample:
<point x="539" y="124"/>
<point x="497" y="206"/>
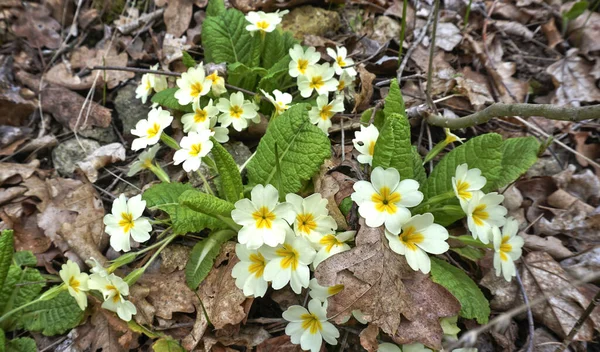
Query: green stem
<point x="402" y="29"/>
<point x="229" y="222"/>
<point x="160" y="173"/>
<point x="467" y="15"/>
<point x="470" y="241"/>
<point x="169" y="141"/>
<point x="435" y="151"/>
<point x="205" y="183"/>
<point x="135" y="275"/>
<point x="436" y="200"/>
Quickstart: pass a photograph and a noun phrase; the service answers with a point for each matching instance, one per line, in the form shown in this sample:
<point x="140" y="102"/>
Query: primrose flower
<point x="263" y="218"/>
<point x="236" y="111"/>
<point x="150" y="82"/>
<point x="419" y="236"/>
<point x="483" y="212"/>
<point x="76" y="282"/>
<point x="192" y="85"/>
<point x="321" y="114"/>
<point x="310" y="327"/>
<point x="263" y="22"/>
<point x="144" y="160"/>
<point x="321" y="293"/>
<point x="345" y="82"/>
<point x="113" y="289"/>
<point x="312" y="219"/>
<point x="96" y="267"/>
<point x="385" y="199"/>
<point x="288" y="262"/>
<point x="194" y="147"/>
<point x="415" y="347"/>
<point x="451" y="137"/>
<point x="342" y="62"/>
<point x="199" y="119"/>
<point x="248" y="273"/>
<point x="221" y="134"/>
<point x="149" y="130"/>
<point x="318" y="78"/>
<point x="302" y="60"/>
<point x="507" y="247"/>
<point x="331" y="244"/>
<point x="217" y="83"/>
<point x="364" y="143"/>
<point x="126" y="220"/>
<point x="280" y="100"/>
<point x="465" y="182"/>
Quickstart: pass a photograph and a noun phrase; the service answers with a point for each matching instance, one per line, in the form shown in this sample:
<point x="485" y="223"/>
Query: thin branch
<point x="529" y="314"/>
<point x="436" y="11"/>
<point x="413" y="46"/>
<point x="586" y="314"/>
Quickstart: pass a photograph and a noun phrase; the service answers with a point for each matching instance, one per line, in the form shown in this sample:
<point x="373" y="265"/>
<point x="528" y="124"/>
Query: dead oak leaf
<point x="564" y="302"/>
<point x="574" y="80"/>
<point x="363" y="99"/>
<point x="178" y="16"/>
<point x="36" y="24"/>
<point x="169" y="294"/>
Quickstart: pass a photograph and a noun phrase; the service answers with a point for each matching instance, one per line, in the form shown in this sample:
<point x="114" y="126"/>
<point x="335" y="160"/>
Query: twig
<point x="144" y="19"/>
<point x="529" y="314"/>
<point x="413" y="46"/>
<point x="579" y="323"/>
<point x="436" y="11"/>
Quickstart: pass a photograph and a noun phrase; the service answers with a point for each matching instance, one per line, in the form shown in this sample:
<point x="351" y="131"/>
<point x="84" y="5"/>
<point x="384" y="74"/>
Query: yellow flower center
<point x="263" y="218"/>
<point x="236" y="111"/>
<point x="335" y="289"/>
<point x="290" y="257"/>
<point x="258" y="264"/>
<point x="479" y="214"/>
<point x="200" y="115"/>
<point x="410" y="238"/>
<point x="262" y="25"/>
<point x="316" y="82"/>
<point x="153" y="131"/>
<point x="462" y="188"/>
<point x="214" y="77"/>
<point x="126" y="222"/>
<point x="148" y="85"/>
<point x="196" y="89"/>
<point x="341" y="85"/>
<point x="302" y="65"/>
<point x="147" y="163"/>
<point x="325" y="112"/>
<point x="340" y="61"/>
<point x="74" y="284"/>
<point x="117" y="296"/>
<point x="505" y="248"/>
<point x="371" y="147"/>
<point x="311" y="323"/>
<point x="306" y="222"/>
<point x="280" y="107"/>
<point x="386" y="201"/>
<point x="195" y="149"/>
<point x="329" y="241"/>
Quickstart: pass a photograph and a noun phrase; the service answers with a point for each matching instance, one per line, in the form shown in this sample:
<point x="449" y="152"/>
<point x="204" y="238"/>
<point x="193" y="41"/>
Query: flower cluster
<point x="113" y="288"/>
<point x="485" y="217"/>
<point x="279" y="243"/>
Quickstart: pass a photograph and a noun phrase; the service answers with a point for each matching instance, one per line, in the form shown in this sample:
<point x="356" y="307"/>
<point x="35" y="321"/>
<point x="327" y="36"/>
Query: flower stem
<point x="160" y="173"/>
<point x="207" y="188"/>
<point x="436" y="200"/>
<point x="435" y="151"/>
<point x="169" y="141"/>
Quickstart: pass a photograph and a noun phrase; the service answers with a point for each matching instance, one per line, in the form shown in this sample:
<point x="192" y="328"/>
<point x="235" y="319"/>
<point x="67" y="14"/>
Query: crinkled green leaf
<point x="473" y="303"/>
<point x="165" y="196"/>
<point x="243" y="76"/>
<point x="2" y="341"/>
<point x="20" y="287"/>
<point x="230" y="181"/>
<point x="203" y="256"/>
<point x="518" y="155"/>
<point x="167" y="344"/>
<point x="302" y="149"/>
<point x="378" y="119"/>
<point x="418" y="170"/>
<point x="393" y="148"/>
<point x="277" y="45"/>
<point x="21" y="344"/>
<point x="7" y="243"/>
<point x="225" y="39"/>
<point x="206" y="203"/>
<point x="470" y="253"/>
<point x="277" y="76"/>
<point x="24" y="258"/>
<point x="52" y="317"/>
<point x="394" y="103"/>
<point x="188" y="60"/>
<point x="215" y="7"/>
<point x="483" y="152"/>
<point x="166" y="98"/>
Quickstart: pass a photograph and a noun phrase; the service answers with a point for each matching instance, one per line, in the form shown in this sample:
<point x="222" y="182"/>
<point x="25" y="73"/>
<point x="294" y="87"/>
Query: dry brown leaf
<point x="591" y="150"/>
<point x="173" y="48"/>
<point x="551" y="32"/>
<point x="248" y="336"/>
<point x="550" y="244"/>
<point x="278" y="344"/>
<point x="174" y="257"/>
<point x="328" y="186"/>
<point x="62" y="75"/>
<point x="448" y="36"/>
<point x="363" y="99"/>
<point x="178" y="16"/>
<point x="576" y="223"/>
<point x="99" y="158"/>
<point x="380" y="284"/>
<point x="565" y="303"/>
<point x="504" y="293"/>
<point x="13" y="173"/>
<point x="15" y="105"/>
<point x="573" y="79"/>
<point x="584" y="264"/>
<point x="368" y="338"/>
<point x="169" y="294"/>
<point x="220" y="296"/>
<point x="514" y="28"/>
<point x="443" y="74"/>
<point x="35" y="24"/>
<point x="474" y="86"/>
<point x="518" y="88"/>
<point x="584" y="30"/>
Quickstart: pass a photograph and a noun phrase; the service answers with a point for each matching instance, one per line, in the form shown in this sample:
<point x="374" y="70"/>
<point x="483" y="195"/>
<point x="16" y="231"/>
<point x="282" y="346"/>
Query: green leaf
<point x="470" y="253"/>
<point x="167" y="345"/>
<point x="215" y="7"/>
<point x="188" y="60"/>
<point x="22" y="344"/>
<point x="393" y="148"/>
<point x="203" y="256"/>
<point x="2" y="341"/>
<point x="394" y="103"/>
<point x="277" y="76"/>
<point x="276" y="46"/>
<point x="346" y="205"/>
<point x="302" y="149"/>
<point x="225" y="39"/>
<point x="483" y="152"/>
<point x="24" y="258"/>
<point x="206" y="203"/>
<point x="243" y="76"/>
<point x="52" y="317"/>
<point x="418" y="169"/>
<point x="473" y="303"/>
<point x="20" y="287"/>
<point x="7" y="243"/>
<point x="378" y="119"/>
<point x="518" y="155"/>
<point x="166" y="98"/>
<point x="165" y="196"/>
<point x="576" y="10"/>
<point x="230" y="181"/>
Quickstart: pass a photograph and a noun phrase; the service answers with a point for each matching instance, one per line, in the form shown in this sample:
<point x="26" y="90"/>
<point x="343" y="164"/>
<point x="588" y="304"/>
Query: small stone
<point x="385" y="29"/>
<point x="104" y="135"/>
<point x="130" y="109"/>
<point x="67" y="154"/>
<point x="240" y="152"/>
<point x="306" y="20"/>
